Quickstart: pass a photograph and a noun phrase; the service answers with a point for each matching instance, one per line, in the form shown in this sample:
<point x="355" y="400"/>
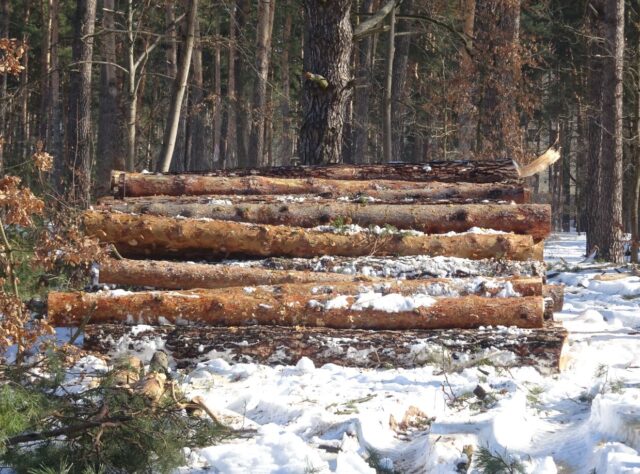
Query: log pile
<point x="370" y="266"/>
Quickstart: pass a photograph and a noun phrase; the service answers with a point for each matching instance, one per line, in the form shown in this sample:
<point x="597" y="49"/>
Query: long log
<point x="540" y="348"/>
<point x="443" y="171"/>
<point x="185" y="276"/>
<point x="401" y="197"/>
<point x="339" y="305"/>
<point x="531" y="219"/>
<point x="135" y="235"/>
<point x="136" y="184"/>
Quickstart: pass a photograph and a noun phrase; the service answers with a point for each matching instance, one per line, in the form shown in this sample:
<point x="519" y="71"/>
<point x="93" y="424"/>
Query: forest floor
<point x="335" y="419"/>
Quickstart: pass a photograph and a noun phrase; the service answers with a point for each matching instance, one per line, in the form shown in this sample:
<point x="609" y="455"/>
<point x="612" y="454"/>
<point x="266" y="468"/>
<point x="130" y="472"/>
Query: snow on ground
<point x="336" y="419"/>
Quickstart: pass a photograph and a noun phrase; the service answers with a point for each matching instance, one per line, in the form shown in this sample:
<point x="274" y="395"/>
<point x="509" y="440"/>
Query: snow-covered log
<point x="188" y="275"/>
<point x="531" y="219"/>
<point x="144" y="235"/>
<point x="277" y="345"/>
<point x="398" y="305"/>
<point x="137" y="184"/>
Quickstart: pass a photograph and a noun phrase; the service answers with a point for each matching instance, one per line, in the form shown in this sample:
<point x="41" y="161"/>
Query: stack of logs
<point x="369" y="265"/>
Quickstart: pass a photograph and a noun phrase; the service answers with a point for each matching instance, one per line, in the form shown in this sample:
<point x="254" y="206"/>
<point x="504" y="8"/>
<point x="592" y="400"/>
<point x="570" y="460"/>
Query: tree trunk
<point x="339" y="306"/>
<point x="266" y="9"/>
<point x="608" y="229"/>
<point x="399" y="109"/>
<point x="217" y="102"/>
<point x="79" y="140"/>
<point x="55" y="131"/>
<point x="387" y="139"/>
<point x="4" y="98"/>
<point x="231" y="141"/>
<point x="286" y="149"/>
<point x="531" y="219"/>
<point x="594" y="125"/>
<point x="164" y="236"/>
<point x="497" y="25"/>
<point x="243" y="75"/>
<point x="466" y="125"/>
<point x="138" y="185"/>
<point x="362" y="94"/>
<point x="326" y="89"/>
<point x="109" y="150"/>
<point x="180" y="84"/>
<point x="635" y="200"/>
<point x="198" y="157"/>
<point x="540" y="348"/>
<point x="186" y="276"/>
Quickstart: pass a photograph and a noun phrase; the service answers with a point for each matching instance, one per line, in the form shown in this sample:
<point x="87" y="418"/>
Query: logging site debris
<point x="370" y="318"/>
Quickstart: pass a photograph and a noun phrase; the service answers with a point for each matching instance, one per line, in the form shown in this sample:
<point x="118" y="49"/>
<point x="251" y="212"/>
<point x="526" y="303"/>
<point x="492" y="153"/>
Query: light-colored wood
<point x="144" y="235"/>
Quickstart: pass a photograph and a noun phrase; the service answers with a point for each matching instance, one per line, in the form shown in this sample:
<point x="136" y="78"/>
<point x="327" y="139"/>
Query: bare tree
<point x="4" y="33"/>
<point x="180" y="84"/>
<point x="388" y="85"/>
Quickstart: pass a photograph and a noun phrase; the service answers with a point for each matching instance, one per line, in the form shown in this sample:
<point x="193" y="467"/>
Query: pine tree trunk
<point x="608" y="229"/>
<point x="387" y="139"/>
<point x="231" y="142"/>
<point x="198" y="156"/>
<point x="243" y="75"/>
<point x="466" y="119"/>
<point x="55" y="131"/>
<point x="180" y="84"/>
<point x="497" y="26"/>
<point x="109" y="150"/>
<point x="286" y="149"/>
<point x="217" y="102"/>
<point x="399" y="110"/>
<point x="326" y="88"/>
<point x="362" y="94"/>
<point x="266" y="9"/>
<point x="78" y="149"/>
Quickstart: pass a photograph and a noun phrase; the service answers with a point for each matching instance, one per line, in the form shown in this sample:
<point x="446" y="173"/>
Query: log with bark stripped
<point x="402" y="305"/>
<point x="135" y="184"/>
<point x="451" y="348"/>
<point x="185" y="276"/>
<point x="444" y="171"/>
<point x="531" y="219"/>
<point x="135" y="235"/>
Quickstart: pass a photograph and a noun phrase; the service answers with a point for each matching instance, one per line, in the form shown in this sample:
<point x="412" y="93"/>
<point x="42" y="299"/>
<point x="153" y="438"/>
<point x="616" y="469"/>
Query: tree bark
<point x="180" y="84"/>
<point x="362" y="94"/>
<point x="55" y="132"/>
<point x="339" y="306"/>
<point x="531" y="219"/>
<point x="198" y="155"/>
<point x="286" y="149"/>
<point x="162" y="236"/>
<point x="109" y="149"/>
<point x="326" y="88"/>
<point x="231" y="141"/>
<point x="466" y="119"/>
<point x="266" y="9"/>
<point x="217" y="102"/>
<point x="540" y="348"/>
<point x="135" y="185"/>
<point x="497" y="26"/>
<point x="608" y="230"/>
<point x="78" y="149"/>
<point x="243" y="74"/>
<point x="186" y="276"/>
<point x="387" y="139"/>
